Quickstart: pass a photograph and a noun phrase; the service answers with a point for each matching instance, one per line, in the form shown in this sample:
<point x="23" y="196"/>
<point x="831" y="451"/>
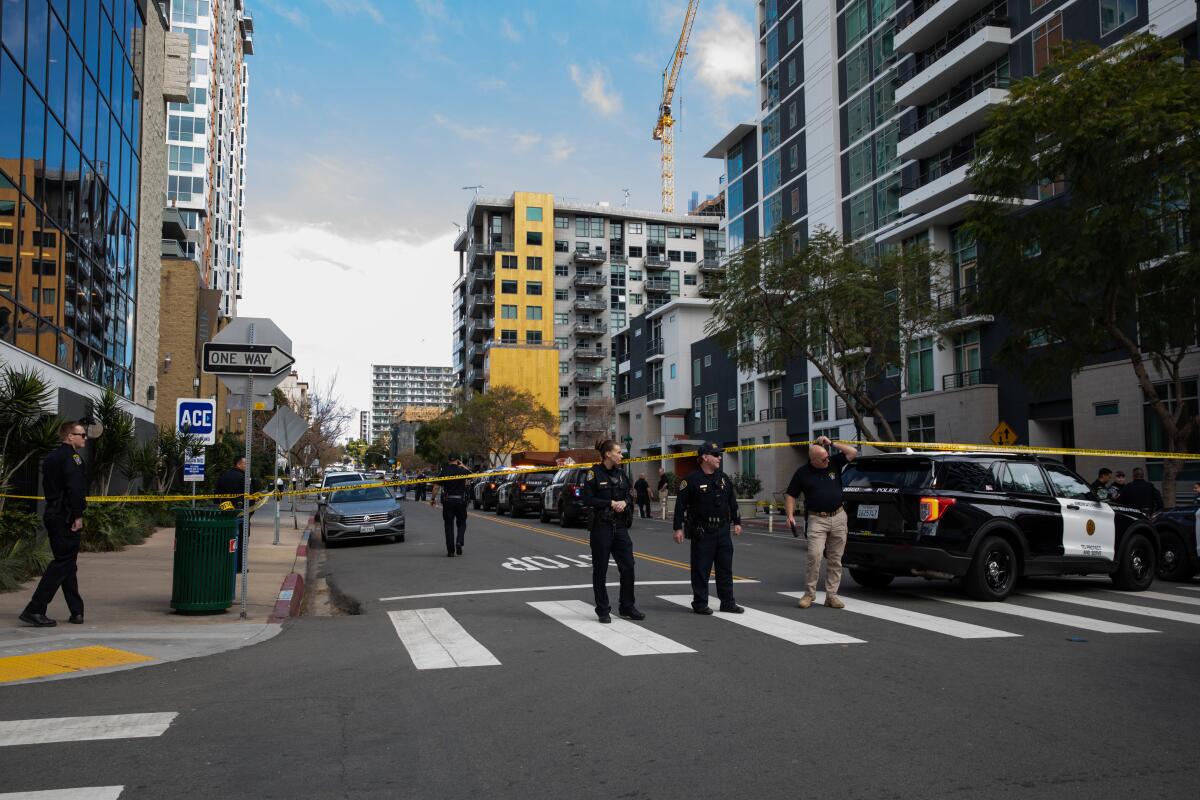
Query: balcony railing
<point x="485" y="299"/>
<point x="589" y="354"/>
<point x="710" y="288"/>
<point x="659" y="285"/>
<point x="590" y="329"/>
<point x="712" y="265"/>
<point x="623" y="396"/>
<point x="944" y="46"/>
<point x="654" y="347"/>
<point x="592" y="257"/>
<point x="910" y="124"/>
<point x="657" y="262"/>
<point x="961" y="302"/>
<point x="655" y="391"/>
<point x="589" y="280"/>
<point x="588" y="304"/>
<point x="591" y="375"/>
<point x="970" y="377"/>
<point x="771" y="413"/>
<point x="476" y="249"/>
<point x="588" y="425"/>
<point x="618" y="258"/>
<point x="591" y="402"/>
<point x="942" y="167"/>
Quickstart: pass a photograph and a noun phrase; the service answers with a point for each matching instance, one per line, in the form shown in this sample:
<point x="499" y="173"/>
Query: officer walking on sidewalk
<point x="66" y="488"/>
<point x="606" y="493"/>
<point x="820" y="481"/>
<point x="454" y="503"/>
<point x="705" y="506"/>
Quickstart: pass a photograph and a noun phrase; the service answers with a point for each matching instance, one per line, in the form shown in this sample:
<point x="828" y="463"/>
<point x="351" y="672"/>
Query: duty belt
<point x="826" y="513"/>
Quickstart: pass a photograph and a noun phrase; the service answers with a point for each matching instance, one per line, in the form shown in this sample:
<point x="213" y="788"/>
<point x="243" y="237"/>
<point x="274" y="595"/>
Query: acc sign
<point x="198" y="418"/>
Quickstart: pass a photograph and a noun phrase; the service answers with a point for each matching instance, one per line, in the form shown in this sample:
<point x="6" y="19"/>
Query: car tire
<point x="993" y="571"/>
<point x="543" y="517"/>
<point x="563" y="522"/>
<point x="1135" y="564"/>
<point x="516" y="511"/>
<point x="476" y="504"/>
<point x="871" y="579"/>
<point x="1173" y="562"/>
<point x="499" y="509"/>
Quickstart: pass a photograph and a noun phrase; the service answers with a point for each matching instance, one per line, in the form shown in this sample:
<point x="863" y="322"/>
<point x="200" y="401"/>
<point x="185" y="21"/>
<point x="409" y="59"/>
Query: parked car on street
<point x="483" y="493"/>
<point x="561" y="499"/>
<point x="335" y="479"/>
<point x="1179" y="536"/>
<point x="521" y="493"/>
<point x="361" y="512"/>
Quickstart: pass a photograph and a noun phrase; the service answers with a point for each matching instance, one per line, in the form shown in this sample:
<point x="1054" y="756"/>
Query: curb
<point x="291" y="595"/>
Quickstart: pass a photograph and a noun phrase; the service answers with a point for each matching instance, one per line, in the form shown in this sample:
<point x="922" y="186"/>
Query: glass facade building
<point x="70" y="139"/>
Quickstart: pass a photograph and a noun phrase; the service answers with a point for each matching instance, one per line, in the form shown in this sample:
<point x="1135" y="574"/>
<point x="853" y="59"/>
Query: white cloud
<point x="434" y="9"/>
<point x="289" y="97"/>
<point x="508" y="31"/>
<point x="470" y="133"/>
<point x="355" y="7"/>
<point x="376" y="301"/>
<point x="561" y="149"/>
<point x="292" y="15"/>
<point x="526" y="140"/>
<point x="595" y="91"/>
<point x="722" y="54"/>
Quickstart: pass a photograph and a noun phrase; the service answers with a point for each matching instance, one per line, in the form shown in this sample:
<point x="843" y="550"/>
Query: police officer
<point x="606" y="493"/>
<point x="233" y="481"/>
<point x="703" y="510"/>
<point x="454" y="503"/>
<point x="65" y="486"/>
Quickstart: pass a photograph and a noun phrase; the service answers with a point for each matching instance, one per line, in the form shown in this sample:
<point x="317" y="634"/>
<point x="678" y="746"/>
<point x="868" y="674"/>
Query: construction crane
<point x="664" y="128"/>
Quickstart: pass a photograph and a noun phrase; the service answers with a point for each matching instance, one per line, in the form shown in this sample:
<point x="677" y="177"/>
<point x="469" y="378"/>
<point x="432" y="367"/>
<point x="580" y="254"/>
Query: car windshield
<point x="891" y="473"/>
<point x="330" y="480"/>
<point x="359" y="495"/>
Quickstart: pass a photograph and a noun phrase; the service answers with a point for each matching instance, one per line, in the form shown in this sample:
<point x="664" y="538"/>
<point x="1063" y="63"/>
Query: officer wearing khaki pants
<point x="820" y="481"/>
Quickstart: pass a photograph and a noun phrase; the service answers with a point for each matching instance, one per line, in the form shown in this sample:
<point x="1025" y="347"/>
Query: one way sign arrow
<point x="245" y="359"/>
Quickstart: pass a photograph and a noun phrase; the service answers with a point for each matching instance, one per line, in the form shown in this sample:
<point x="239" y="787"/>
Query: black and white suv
<point x="988" y="519"/>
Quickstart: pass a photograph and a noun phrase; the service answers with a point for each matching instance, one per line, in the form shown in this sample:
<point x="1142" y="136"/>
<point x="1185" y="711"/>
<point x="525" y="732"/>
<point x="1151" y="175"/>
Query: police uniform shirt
<point x="601" y="486"/>
<point x="822" y="488"/>
<point x="64" y="484"/>
<point x="456" y="488"/>
<point x="704" y="496"/>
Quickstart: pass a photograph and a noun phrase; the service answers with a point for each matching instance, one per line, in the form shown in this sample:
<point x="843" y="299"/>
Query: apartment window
<point x="791" y="73"/>
<point x="920" y="365"/>
<point x="673" y="232"/>
<point x="561" y="222"/>
<point x="885" y="100"/>
<point x="674" y="255"/>
<point x="533" y="262"/>
<point x="747" y="395"/>
<point x="562" y="342"/>
<point x="689" y="257"/>
<point x="860" y="160"/>
<point x="533" y="337"/>
<point x="508" y="287"/>
<point x="794" y="158"/>
<point x="533" y="213"/>
<point x="1049" y="187"/>
<point x="820" y="400"/>
<point x="920" y="428"/>
<point x="533" y="312"/>
<point x="564" y="416"/>
<point x="858" y="69"/>
<point x="860" y="214"/>
<point x="795" y="201"/>
<point x="562" y="294"/>
<point x="689" y="280"/>
<point x="858" y="117"/>
<point x="562" y="270"/>
<point x="967" y="357"/>
<point x="834" y="432"/>
<point x="533" y="238"/>
<point x="508" y="337"/>
<point x="799" y="389"/>
<point x="562" y="319"/>
<point x="710" y="413"/>
<point x="1047" y="41"/>
<point x="856" y="22"/>
<point x="508" y="262"/>
<point x="635" y="298"/>
<point x="672" y="372"/>
<point x="886" y="141"/>
<point x="533" y="287"/>
<point x="508" y="312"/>
<point x="635" y="227"/>
<point x="562" y="246"/>
<point x="1109" y="409"/>
<point x="635" y="274"/>
<point x="589" y="227"/>
<point x="749" y="462"/>
<point x="563" y="391"/>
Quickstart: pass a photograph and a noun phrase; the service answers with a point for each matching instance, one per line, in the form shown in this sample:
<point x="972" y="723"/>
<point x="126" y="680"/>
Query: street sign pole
<point x="275" y="488"/>
<point x="249" y="429"/>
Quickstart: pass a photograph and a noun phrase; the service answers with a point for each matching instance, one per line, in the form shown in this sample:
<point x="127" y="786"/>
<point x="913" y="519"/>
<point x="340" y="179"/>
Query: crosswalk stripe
<point x="620" y="636"/>
<point x="915" y="619"/>
<point x="773" y="625"/>
<point x="1042" y="615"/>
<point x="82" y="793"/>
<point x="435" y="640"/>
<point x="1170" y="598"/>
<point x="1191" y="588"/>
<point x="1128" y="608"/>
<point x="80" y="729"/>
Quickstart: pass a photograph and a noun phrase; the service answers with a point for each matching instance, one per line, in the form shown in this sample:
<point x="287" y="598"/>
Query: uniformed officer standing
<point x="233" y="481"/>
<point x="66" y="487"/>
<point x="606" y="493"/>
<point x="454" y="503"/>
<point x="705" y="506"/>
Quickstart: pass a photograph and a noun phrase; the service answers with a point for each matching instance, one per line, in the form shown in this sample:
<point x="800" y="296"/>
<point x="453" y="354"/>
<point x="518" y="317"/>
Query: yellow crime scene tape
<point x="260" y="498"/>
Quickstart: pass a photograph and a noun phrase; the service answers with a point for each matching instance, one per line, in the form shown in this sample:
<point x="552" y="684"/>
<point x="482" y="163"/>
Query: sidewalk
<point x="129" y="620"/>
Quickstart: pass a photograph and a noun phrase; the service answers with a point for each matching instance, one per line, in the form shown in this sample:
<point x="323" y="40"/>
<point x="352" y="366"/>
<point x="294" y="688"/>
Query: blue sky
<point x="368" y="116"/>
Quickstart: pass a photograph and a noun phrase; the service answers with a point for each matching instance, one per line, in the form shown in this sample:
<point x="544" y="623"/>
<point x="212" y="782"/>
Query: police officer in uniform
<point x="66" y="487"/>
<point x="705" y="507"/>
<point x="606" y="492"/>
<point x="454" y="503"/>
<point x="233" y="481"/>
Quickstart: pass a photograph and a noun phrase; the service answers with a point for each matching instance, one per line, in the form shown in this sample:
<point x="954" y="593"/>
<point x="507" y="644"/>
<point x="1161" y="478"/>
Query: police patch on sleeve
<point x="588" y="477"/>
<point x="78" y="460"/>
<point x="683" y="484"/>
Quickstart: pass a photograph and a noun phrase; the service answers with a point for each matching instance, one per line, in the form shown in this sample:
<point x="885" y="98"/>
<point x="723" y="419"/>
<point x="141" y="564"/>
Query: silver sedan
<point x="357" y="511"/>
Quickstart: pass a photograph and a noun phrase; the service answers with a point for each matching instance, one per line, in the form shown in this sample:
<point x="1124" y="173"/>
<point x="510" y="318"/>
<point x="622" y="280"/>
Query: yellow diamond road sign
<point x="1004" y="435"/>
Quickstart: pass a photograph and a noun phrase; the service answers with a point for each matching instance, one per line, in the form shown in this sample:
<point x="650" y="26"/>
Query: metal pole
<point x="249" y="433"/>
<point x="275" y="488"/>
<point x="193" y="494"/>
<point x="292" y="484"/>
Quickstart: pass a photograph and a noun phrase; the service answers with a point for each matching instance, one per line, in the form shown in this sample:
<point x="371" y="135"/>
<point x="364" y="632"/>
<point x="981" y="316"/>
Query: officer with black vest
<point x="705" y="507"/>
<point x="66" y="488"/>
<point x="606" y="492"/>
<point x="454" y="503"/>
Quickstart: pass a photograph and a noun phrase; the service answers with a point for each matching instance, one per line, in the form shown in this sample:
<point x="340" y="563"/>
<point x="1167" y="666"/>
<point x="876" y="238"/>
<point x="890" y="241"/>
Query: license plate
<point x="366" y="529"/>
<point x="868" y="512"/>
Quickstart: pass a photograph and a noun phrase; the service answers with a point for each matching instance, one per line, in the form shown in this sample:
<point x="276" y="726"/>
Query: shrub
<point x="746" y="486"/>
<point x="24" y="551"/>
<point x="108" y="527"/>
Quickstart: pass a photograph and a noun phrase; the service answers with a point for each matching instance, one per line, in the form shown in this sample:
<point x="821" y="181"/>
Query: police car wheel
<point x="499" y="509"/>
<point x="543" y="516"/>
<point x="1173" y="563"/>
<point x="563" y="522"/>
<point x="993" y="571"/>
<point x="1136" y="564"/>
<point x="476" y="504"/>
<point x="871" y="579"/>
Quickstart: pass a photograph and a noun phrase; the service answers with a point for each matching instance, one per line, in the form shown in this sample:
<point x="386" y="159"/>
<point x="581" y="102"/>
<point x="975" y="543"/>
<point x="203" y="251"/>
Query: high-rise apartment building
<point x="395" y="388"/>
<point x="206" y="139"/>
<point x="364" y="425"/>
<point x="870" y="111"/>
<point x="543" y="285"/>
<point x="82" y="104"/>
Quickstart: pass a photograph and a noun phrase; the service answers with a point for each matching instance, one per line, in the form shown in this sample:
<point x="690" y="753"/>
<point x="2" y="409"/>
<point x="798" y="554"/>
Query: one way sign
<point x="245" y="359"/>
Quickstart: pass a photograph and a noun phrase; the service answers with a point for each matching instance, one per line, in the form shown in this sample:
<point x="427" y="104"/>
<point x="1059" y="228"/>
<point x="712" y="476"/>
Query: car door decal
<point x="1089" y="528"/>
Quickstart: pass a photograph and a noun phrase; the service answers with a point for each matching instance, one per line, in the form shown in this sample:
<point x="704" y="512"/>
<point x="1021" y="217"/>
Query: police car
<point x="988" y="519"/>
<point x="1179" y="532"/>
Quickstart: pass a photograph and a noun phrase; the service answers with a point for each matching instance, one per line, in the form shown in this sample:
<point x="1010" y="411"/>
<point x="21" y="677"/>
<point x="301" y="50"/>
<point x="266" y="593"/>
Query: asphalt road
<point x="876" y="704"/>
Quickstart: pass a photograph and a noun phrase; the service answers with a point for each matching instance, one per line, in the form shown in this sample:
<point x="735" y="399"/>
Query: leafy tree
<point x="429" y="441"/>
<point x="27" y="430"/>
<point x="827" y="303"/>
<point x="494" y="425"/>
<point x="112" y="450"/>
<point x="376" y="455"/>
<point x="1109" y="269"/>
<point x="158" y="463"/>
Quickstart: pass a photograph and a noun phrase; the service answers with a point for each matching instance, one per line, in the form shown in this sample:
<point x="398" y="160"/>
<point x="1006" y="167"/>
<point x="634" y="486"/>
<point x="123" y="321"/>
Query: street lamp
<point x="628" y="440"/>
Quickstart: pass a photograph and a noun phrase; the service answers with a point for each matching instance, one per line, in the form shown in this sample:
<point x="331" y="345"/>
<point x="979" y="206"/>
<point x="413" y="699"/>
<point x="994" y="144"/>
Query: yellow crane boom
<point x="664" y="127"/>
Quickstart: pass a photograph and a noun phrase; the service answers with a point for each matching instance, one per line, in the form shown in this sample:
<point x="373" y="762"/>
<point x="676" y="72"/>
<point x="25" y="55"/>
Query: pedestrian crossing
<point x="434" y="639"/>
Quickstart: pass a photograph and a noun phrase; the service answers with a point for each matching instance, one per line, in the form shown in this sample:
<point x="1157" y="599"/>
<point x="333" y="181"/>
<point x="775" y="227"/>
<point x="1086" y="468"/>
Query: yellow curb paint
<point x="59" y="662"/>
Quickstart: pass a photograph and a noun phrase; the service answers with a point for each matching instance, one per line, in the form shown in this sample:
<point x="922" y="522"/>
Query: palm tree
<point x="112" y="450"/>
<point x="28" y="430"/>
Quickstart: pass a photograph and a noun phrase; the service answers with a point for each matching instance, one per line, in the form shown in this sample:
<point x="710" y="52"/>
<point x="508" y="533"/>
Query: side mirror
<point x="1102" y="494"/>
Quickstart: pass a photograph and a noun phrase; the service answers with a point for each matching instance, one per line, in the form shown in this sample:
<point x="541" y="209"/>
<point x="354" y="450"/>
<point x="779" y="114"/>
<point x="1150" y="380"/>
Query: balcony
<point x="712" y="266"/>
<point x="960" y="116"/>
<point x="931" y="21"/>
<point x="618" y="258"/>
<point x="479" y="327"/>
<point x="478" y="302"/>
<point x="657" y="285"/>
<point x="654" y="349"/>
<point x="479" y="280"/>
<point x="711" y="288"/>
<point x="970" y="377"/>
<point x="592" y="258"/>
<point x="588" y="304"/>
<point x="934" y="192"/>
<point x="969" y="52"/>
<point x="590" y="329"/>
<point x="963" y="308"/>
<point x="591" y="402"/>
<point x="479" y="249"/>
<point x="591" y="376"/>
<point x="589" y="354"/>
<point x="766" y="414"/>
<point x="655" y="392"/>
<point x="589" y="426"/>
<point x="588" y="280"/>
<point x="657" y="262"/>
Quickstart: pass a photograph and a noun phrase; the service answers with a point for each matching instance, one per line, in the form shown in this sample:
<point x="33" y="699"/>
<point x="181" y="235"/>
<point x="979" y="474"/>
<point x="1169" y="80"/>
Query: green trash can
<point x="206" y="542"/>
